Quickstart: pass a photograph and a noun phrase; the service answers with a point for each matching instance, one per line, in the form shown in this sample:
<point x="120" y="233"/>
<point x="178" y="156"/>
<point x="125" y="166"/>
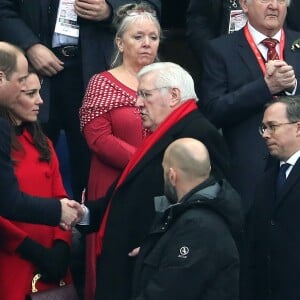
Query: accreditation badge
<point x="237" y="20"/>
<point x="66" y="21"/>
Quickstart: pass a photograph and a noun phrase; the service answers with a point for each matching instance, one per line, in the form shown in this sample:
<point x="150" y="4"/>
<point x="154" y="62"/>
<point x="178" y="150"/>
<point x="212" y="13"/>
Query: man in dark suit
<point x="167" y="103"/>
<point x="274" y="219"/>
<point x="66" y="60"/>
<point x="14" y="204"/>
<point x="235" y="85"/>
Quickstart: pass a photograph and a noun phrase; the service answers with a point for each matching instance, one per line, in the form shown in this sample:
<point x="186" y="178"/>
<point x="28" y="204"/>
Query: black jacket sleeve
<point x="52" y="263"/>
<point x="14" y="204"/>
<point x="19" y="22"/>
<point x="202" y="23"/>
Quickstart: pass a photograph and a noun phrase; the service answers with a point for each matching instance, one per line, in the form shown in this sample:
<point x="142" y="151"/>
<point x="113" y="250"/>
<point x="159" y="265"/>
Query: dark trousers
<point x="66" y="94"/>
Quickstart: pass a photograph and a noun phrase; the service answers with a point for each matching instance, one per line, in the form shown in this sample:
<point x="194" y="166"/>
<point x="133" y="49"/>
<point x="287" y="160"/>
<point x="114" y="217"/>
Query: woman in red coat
<point x="27" y="249"/>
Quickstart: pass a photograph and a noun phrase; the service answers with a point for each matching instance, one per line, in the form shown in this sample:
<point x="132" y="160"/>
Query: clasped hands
<point x="93" y="10"/>
<point x="279" y="76"/>
<point x="71" y="213"/>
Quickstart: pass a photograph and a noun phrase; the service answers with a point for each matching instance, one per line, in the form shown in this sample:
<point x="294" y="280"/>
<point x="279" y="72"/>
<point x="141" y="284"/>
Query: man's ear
<point x="298" y="128"/>
<point x="172" y="176"/>
<point x="175" y="97"/>
<point x="244" y="5"/>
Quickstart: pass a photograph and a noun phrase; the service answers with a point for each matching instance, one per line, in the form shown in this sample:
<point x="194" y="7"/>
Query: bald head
<point x="190" y="156"/>
<point x="186" y="164"/>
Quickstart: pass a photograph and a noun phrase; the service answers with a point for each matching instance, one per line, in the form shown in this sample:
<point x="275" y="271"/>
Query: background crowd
<point x="121" y="82"/>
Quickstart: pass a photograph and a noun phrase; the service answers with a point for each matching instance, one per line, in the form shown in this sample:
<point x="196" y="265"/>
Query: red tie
<point x="271" y="45"/>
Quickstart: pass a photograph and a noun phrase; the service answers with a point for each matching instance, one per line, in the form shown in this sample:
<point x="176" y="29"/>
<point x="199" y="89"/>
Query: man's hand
<point x="44" y="60"/>
<point x="279" y="76"/>
<point x="71" y="213"/>
<point x="134" y="252"/>
<point x="94" y="10"/>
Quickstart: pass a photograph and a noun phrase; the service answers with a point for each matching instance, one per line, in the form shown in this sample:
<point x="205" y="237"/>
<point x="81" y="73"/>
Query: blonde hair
<point x="124" y="17"/>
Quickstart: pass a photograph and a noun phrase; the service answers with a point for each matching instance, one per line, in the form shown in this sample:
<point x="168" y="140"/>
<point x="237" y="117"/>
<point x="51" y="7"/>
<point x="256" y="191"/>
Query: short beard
<point x="170" y="192"/>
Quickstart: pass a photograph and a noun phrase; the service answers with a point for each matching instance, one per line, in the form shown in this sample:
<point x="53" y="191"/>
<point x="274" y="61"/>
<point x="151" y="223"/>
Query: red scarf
<point x="178" y="114"/>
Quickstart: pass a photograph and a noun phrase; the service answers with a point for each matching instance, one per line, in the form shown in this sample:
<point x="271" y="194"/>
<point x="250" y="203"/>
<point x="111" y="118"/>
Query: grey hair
<point x="122" y="21"/>
<point x="288" y="2"/>
<point x="169" y="74"/>
<point x="292" y="104"/>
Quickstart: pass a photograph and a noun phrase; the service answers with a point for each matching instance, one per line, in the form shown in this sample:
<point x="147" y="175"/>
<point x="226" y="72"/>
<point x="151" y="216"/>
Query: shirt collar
<point x="293" y="159"/>
<point x="258" y="37"/>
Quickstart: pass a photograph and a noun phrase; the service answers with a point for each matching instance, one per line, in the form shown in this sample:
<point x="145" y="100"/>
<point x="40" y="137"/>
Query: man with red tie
<point x="242" y="72"/>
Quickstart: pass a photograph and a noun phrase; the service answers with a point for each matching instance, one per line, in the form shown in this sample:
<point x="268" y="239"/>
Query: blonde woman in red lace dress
<point x="110" y="122"/>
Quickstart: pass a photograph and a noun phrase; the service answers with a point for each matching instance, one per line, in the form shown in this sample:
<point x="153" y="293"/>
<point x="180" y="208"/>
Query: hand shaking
<point x="134" y="252"/>
<point x="71" y="213"/>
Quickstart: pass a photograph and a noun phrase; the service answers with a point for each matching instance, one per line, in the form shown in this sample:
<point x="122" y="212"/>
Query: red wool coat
<point x="38" y="179"/>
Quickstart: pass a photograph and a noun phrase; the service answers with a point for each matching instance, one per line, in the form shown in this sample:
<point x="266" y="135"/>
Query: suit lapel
<point x="287" y="52"/>
<point x="247" y="55"/>
<point x="292" y="179"/>
<point x="292" y="57"/>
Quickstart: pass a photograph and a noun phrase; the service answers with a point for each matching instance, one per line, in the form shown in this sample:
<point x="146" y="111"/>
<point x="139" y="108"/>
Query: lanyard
<point x="256" y="51"/>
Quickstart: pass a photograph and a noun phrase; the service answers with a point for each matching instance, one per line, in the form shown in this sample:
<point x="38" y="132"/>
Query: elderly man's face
<point x="153" y="102"/>
<point x="266" y="16"/>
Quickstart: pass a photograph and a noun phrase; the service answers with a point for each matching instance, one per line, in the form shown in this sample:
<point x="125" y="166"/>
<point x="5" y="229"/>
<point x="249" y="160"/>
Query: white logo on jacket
<point x="183" y="252"/>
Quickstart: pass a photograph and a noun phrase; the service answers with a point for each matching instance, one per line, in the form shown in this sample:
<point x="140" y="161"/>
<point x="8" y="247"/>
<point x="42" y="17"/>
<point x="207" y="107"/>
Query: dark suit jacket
<point x="25" y="23"/>
<point x="206" y="20"/>
<point x="275" y="240"/>
<point x="14" y="204"/>
<point x="132" y="206"/>
<point x="292" y="18"/>
<point x="233" y="95"/>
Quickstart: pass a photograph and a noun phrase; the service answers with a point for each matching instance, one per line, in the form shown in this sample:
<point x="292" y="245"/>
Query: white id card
<point x="66" y="21"/>
<point x="237" y="20"/>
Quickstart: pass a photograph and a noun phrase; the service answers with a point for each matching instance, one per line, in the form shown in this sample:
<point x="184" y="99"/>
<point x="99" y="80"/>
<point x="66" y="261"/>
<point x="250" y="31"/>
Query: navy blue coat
<point x="274" y="238"/>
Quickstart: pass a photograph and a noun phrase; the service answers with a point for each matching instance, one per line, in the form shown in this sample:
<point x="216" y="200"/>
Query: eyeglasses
<point x="281" y="2"/>
<point x="147" y="93"/>
<point x="138" y="12"/>
<point x="272" y="127"/>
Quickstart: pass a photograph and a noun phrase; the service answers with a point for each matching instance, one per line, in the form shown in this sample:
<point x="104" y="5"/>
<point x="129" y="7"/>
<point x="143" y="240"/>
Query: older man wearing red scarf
<point x="167" y="103"/>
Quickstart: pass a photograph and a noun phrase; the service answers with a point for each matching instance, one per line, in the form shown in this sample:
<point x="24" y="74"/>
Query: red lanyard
<point x="256" y="51"/>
